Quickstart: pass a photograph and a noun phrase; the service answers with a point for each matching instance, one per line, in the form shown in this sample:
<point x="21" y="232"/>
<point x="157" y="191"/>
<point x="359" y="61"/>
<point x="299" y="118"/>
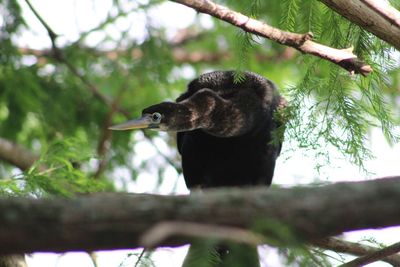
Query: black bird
<point x="224" y="134"/>
<point x="224" y="129"/>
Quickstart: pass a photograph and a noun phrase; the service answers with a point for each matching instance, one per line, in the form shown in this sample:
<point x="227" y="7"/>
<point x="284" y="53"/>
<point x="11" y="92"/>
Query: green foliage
<point x="291" y="8"/>
<point x="202" y="254"/>
<point x="304" y="257"/>
<point x="58" y="172"/>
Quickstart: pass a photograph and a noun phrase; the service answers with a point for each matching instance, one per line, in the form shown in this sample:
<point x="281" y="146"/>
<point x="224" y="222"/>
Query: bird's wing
<point x="217" y="81"/>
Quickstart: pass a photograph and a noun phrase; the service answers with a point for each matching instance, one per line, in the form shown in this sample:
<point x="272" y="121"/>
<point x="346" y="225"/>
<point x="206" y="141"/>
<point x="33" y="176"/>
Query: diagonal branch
<point x="377" y="17"/>
<point x="374" y="256"/>
<point x="302" y="42"/>
<point x="352" y="248"/>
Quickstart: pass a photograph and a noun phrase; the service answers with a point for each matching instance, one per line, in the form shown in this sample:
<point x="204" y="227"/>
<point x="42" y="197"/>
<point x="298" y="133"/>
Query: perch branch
<point x="113" y="221"/>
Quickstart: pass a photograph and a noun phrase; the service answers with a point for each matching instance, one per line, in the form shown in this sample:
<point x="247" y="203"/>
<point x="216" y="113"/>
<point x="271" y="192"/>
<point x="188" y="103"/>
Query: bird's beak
<point x="144" y="122"/>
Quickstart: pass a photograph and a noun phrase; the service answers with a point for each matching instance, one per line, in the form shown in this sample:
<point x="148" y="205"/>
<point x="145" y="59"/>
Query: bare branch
<point x="302" y="42"/>
<point x="374" y="256"/>
<point x="352" y="248"/>
<point x="377" y="17"/>
<point x="16" y="154"/>
<point x="165" y="230"/>
<point x="112" y="221"/>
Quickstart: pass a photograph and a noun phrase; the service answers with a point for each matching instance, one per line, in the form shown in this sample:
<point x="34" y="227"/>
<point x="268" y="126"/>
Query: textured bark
<point x="112" y="221"/>
<point x="377" y="17"/>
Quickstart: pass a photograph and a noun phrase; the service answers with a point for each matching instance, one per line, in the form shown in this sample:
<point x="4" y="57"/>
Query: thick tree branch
<point x="112" y="221"/>
<point x="16" y="154"/>
<point x="377" y="17"/>
<point x="302" y="42"/>
<point x="352" y="248"/>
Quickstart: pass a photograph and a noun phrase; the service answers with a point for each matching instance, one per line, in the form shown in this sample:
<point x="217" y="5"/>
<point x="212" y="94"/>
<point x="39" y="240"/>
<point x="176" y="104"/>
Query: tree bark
<point x="377" y="17"/>
<point x="113" y="221"/>
<point x="16" y="154"/>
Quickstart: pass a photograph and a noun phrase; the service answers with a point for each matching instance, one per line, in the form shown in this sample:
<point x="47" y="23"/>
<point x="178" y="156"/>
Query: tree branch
<point x="374" y="256"/>
<point x="112" y="221"/>
<point x="302" y="42"/>
<point x="16" y="154"/>
<point x="377" y="17"/>
<point x="162" y="231"/>
<point x="352" y="248"/>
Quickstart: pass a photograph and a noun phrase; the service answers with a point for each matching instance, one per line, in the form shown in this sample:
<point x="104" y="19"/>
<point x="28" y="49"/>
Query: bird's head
<point x="165" y="116"/>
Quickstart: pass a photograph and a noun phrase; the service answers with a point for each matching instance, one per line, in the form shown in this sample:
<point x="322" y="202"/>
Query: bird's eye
<point x="156" y="117"/>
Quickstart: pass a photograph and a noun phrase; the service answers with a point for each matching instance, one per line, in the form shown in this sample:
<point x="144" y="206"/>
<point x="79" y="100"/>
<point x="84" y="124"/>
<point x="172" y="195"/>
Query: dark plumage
<point x="224" y="129"/>
<point x="224" y="136"/>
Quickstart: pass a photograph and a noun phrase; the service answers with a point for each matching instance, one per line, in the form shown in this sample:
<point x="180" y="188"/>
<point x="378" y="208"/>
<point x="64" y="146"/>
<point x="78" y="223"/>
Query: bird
<point x="224" y="129"/>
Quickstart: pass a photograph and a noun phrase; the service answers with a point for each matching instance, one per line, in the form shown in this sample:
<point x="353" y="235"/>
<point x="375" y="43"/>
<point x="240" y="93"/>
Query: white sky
<point x="68" y="18"/>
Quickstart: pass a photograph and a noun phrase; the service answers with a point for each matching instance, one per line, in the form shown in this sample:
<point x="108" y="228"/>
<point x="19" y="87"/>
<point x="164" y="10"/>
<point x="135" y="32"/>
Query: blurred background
<point x="70" y="69"/>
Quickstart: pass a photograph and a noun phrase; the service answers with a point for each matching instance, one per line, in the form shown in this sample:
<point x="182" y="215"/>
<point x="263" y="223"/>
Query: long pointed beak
<point x="141" y="123"/>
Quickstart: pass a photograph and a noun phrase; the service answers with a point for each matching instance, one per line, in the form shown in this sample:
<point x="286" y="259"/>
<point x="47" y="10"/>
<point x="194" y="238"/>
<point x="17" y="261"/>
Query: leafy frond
<point x="245" y="43"/>
<point x="57" y="172"/>
<point x="312" y="17"/>
<point x="290" y="10"/>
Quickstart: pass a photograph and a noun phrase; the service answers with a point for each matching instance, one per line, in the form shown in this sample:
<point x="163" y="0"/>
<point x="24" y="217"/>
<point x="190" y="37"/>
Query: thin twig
<point x="169" y="161"/>
<point x="140" y="257"/>
<point x="105" y="137"/>
<point x="375" y="256"/>
<point x="52" y="34"/>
